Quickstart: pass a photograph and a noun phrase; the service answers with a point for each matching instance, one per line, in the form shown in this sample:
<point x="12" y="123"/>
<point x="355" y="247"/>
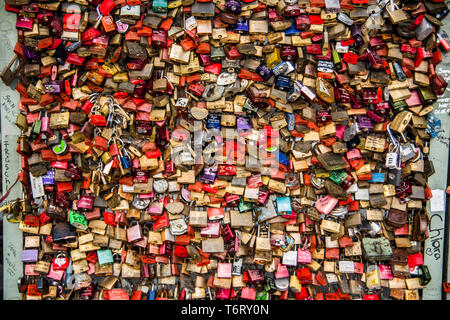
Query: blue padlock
<point x="290" y="119"/>
<point x="283" y="68"/>
<point x="284" y="206"/>
<point x="213" y="121"/>
<point x="434" y="125"/>
<point x="242" y="26"/>
<point x="283" y="159"/>
<point x="377" y="177"/>
<point x="292" y="30"/>
<point x="283" y="83"/>
<point x="125" y="159"/>
<point x="152" y="293"/>
<point x="105" y="257"/>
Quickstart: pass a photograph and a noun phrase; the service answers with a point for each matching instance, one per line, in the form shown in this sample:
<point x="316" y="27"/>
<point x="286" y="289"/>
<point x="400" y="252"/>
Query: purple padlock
<point x="243" y="123"/>
<point x="31" y="57"/>
<point x="264" y="72"/>
<point x="208" y="175"/>
<point x="234" y="6"/>
<point x="49" y="178"/>
<point x="29" y="255"/>
<point x="53" y="87"/>
<point x="365" y="123"/>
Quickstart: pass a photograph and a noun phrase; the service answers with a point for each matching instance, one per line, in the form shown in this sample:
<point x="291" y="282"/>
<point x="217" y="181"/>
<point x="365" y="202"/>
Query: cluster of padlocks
<point x="225" y="149"/>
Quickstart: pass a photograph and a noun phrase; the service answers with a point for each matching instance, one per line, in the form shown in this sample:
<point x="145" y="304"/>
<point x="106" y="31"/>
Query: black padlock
<point x="42" y="285"/>
<point x="394" y="176"/>
<point x="62" y="232"/>
<point x="353" y="143"/>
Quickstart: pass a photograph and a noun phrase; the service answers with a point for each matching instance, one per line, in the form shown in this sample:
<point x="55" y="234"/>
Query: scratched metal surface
<point x="12" y="240"/>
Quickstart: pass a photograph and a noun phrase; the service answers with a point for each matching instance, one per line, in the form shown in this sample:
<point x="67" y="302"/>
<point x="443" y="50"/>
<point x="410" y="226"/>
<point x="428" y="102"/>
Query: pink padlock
<point x="248" y="293"/>
<point x="385" y="272"/>
<point x="142" y="243"/>
<point x="211" y="231"/>
<point x="224" y="270"/>
<point x="55" y="274"/>
<point x="24" y="22"/>
<point x="145" y="271"/>
<point x="304" y="256"/>
<point x="326" y="204"/>
<point x="282" y="272"/>
<point x="121" y="27"/>
<point x="353" y="154"/>
<point x="134" y="233"/>
<point x="29" y="270"/>
<point x="340" y="131"/>
<point x="223" y="294"/>
<point x="45" y="124"/>
<point x="91" y="268"/>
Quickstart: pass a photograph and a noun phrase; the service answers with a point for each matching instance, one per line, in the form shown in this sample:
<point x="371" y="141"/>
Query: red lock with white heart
<point x="61" y="262"/>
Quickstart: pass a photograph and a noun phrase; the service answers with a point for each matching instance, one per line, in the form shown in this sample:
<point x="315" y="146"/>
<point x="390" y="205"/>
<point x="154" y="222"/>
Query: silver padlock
<point x="178" y="226"/>
<point x="408" y="149"/>
<point x="225" y="79"/>
<point x="283" y="68"/>
<point x="424" y="29"/>
<point x="392" y="158"/>
<point x="213" y="92"/>
<point x="236" y="269"/>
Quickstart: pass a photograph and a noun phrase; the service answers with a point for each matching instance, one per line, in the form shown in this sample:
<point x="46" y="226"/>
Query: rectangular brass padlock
<point x="258" y="27"/>
<point x="401" y="121"/>
<point x="375" y="144"/>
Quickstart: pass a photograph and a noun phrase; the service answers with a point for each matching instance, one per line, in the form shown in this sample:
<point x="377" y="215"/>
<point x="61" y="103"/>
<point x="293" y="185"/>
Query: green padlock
<point x="245" y="206"/>
<point x="60" y="148"/>
<point x="262" y="295"/>
<point x="78" y="220"/>
<point x="159" y="6"/>
<point x="217" y="54"/>
<point x="36" y="129"/>
<point x="338" y="176"/>
<point x="398" y="106"/>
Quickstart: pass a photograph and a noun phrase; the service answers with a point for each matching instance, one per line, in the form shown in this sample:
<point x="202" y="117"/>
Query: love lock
<point x="213" y="92"/>
<point x="232" y="89"/>
<point x="178" y="226"/>
<point x="225" y="79"/>
<point x="231" y="66"/>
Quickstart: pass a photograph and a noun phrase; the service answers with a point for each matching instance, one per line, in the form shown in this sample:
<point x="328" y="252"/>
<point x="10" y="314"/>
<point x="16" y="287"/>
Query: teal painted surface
<point x="12" y="239"/>
<point x="439" y="151"/>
